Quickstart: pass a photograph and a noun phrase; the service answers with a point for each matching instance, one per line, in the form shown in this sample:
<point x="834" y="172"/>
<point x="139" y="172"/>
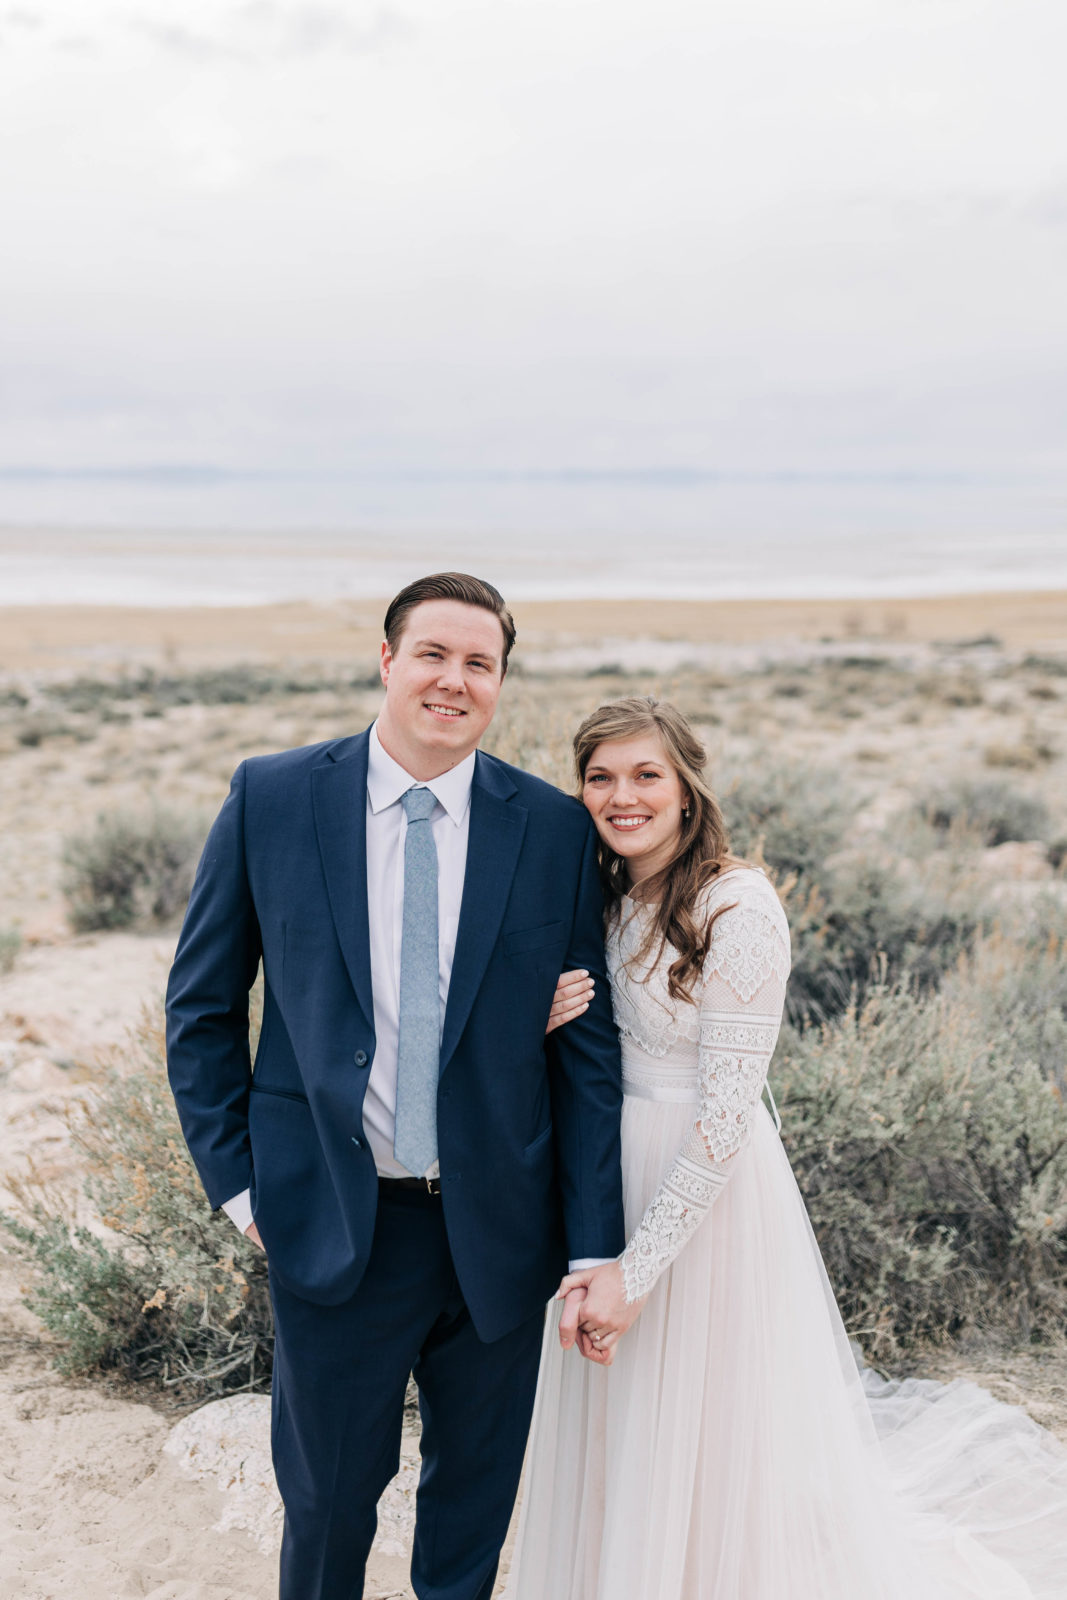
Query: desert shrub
<point x="10" y="945"/>
<point x="535" y="737"/>
<point x="992" y="809"/>
<point x="960" y="689"/>
<point x="151" y="1285"/>
<point x="131" y="870"/>
<point x="39" y="726"/>
<point x="235" y="684"/>
<point x="1016" y="984"/>
<point x="980" y="641"/>
<point x="1031" y="751"/>
<point x="1055" y="666"/>
<point x="932" y="1154"/>
<point x="789" y="815"/>
<point x="872" y="919"/>
<point x="855" y="918"/>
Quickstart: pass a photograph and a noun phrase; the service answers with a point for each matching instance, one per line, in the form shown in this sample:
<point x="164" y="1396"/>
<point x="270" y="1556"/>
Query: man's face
<point x="441" y="685"/>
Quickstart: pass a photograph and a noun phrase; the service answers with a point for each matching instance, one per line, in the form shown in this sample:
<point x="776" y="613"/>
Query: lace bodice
<point x="713" y="1052"/>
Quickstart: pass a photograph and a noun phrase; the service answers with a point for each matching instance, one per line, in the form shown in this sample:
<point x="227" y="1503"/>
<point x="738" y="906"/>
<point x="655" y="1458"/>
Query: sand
<point x="51" y="638"/>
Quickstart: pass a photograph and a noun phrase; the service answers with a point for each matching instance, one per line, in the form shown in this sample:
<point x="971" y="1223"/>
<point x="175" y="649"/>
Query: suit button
<point x="357" y="1142"/>
<point x="360" y="1058"/>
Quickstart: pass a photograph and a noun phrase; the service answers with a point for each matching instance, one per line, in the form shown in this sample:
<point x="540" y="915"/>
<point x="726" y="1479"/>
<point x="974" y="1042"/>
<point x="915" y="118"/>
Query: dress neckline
<point x="721" y="877"/>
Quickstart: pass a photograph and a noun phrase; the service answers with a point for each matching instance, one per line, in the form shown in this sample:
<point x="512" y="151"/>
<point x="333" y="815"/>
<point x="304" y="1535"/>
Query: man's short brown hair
<point x="449" y="586"/>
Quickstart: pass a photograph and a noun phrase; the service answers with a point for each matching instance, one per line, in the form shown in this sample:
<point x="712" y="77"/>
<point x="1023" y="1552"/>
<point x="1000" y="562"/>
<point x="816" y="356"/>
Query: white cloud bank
<point x="740" y="234"/>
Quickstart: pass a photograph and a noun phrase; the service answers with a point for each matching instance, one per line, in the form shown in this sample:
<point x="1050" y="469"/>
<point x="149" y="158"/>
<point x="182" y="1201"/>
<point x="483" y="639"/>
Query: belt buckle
<point x="433" y="1185"/>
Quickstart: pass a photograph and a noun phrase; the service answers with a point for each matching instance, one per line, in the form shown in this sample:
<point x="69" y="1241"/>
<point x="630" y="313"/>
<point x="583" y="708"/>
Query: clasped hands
<point x="595" y="1312"/>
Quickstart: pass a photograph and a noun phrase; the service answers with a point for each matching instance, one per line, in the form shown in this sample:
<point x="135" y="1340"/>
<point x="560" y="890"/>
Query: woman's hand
<point x="600" y="1319"/>
<point x="570" y="1333"/>
<point x="573" y="994"/>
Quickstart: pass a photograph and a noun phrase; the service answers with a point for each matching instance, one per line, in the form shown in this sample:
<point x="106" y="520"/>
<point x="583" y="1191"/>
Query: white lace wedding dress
<point x="733" y="1451"/>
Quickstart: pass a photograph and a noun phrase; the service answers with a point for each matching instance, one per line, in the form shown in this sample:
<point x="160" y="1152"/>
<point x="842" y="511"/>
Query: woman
<point x="729" y="1453"/>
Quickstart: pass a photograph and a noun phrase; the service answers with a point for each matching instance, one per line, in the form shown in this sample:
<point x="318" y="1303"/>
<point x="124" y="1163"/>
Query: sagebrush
<point x="148" y="1283"/>
<point x="994" y="811"/>
<point x="131" y="869"/>
<point x="10" y="945"/>
<point x="930" y="1142"/>
<point x="857" y="917"/>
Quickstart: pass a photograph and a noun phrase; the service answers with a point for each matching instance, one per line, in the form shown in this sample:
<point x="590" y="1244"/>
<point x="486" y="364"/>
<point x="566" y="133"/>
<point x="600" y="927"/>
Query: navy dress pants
<point x="340" y="1375"/>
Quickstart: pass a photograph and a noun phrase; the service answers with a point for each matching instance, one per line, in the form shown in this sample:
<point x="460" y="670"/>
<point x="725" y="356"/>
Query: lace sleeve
<point x="740" y="1013"/>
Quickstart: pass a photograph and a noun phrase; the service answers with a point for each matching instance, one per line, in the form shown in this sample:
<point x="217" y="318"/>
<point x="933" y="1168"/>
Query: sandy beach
<point x="89" y="1503"/>
<point x="56" y="638"/>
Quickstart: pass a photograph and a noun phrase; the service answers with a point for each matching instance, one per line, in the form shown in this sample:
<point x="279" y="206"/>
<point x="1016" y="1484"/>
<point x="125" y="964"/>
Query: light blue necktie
<point x="419" y="1045"/>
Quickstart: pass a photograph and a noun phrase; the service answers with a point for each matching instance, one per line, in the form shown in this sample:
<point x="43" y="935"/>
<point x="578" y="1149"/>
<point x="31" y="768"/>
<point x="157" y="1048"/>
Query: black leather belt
<point x="426" y="1185"/>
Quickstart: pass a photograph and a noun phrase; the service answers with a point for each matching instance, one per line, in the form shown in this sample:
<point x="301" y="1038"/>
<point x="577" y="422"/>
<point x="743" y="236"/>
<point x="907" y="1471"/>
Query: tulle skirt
<point x="734" y="1452"/>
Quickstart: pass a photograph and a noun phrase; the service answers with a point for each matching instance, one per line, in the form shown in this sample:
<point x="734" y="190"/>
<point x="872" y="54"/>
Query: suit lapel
<point x="497" y="826"/>
<point x="339" y="800"/>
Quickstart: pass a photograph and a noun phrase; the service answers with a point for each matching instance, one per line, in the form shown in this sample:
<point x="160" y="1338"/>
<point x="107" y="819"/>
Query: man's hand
<point x="603" y="1316"/>
<point x="252" y="1232"/>
<point x="570" y="1333"/>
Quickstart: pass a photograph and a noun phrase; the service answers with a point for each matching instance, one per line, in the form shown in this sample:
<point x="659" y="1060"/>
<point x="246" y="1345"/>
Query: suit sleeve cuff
<point x="239" y="1210"/>
<point x="584" y="1263"/>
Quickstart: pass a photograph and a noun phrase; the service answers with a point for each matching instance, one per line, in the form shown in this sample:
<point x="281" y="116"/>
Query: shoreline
<point x="79" y="638"/>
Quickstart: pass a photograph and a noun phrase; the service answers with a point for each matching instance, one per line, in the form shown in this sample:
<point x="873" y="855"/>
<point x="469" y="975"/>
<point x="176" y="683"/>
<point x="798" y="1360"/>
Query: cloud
<point x="262" y="30"/>
<point x="19" y="19"/>
<point x="619" y="230"/>
<point x="315" y="27"/>
<point x="176" y="40"/>
<point x="1049" y="205"/>
<point x="1044" y="205"/>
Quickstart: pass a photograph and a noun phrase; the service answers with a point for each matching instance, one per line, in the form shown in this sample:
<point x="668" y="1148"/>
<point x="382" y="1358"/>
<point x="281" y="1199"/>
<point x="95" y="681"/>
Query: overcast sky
<point x="742" y="234"/>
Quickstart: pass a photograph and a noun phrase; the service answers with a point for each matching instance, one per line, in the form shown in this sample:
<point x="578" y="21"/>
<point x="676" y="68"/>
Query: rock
<point x="228" y="1442"/>
<point x="1019" y="859"/>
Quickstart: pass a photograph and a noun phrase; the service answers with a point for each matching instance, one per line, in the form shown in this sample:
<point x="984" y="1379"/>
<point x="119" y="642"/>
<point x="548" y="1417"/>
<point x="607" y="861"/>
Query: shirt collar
<point x="387" y="781"/>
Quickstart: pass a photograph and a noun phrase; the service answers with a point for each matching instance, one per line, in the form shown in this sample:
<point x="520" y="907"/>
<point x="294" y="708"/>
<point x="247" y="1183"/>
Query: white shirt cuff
<point x="589" y="1261"/>
<point x="239" y="1210"/>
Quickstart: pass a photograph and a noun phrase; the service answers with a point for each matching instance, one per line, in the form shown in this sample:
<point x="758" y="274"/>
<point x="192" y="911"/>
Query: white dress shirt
<point x="387" y="828"/>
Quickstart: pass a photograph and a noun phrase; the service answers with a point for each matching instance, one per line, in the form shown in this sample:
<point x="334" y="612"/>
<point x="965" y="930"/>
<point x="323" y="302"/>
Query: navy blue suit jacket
<point x="528" y="1128"/>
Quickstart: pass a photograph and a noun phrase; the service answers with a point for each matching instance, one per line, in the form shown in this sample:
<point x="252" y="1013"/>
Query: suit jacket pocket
<point x="523" y="939"/>
<point x="281" y="1094"/>
<point x="536" y="1146"/>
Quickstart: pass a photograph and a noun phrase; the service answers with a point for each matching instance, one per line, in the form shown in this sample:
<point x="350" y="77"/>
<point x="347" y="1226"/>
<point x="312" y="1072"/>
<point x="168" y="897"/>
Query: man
<point x="417" y="1160"/>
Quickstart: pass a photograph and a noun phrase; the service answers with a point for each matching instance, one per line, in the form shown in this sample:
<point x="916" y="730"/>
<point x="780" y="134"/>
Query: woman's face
<point x="635" y="797"/>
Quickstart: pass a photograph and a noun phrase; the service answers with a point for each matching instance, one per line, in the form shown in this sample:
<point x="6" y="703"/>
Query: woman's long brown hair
<point x="703" y="844"/>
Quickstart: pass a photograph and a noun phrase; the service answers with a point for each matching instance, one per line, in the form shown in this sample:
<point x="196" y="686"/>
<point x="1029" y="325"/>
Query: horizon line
<point x="201" y="473"/>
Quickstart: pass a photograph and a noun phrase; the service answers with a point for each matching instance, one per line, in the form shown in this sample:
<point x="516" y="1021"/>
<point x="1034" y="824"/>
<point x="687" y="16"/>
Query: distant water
<point x="199" y="537"/>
